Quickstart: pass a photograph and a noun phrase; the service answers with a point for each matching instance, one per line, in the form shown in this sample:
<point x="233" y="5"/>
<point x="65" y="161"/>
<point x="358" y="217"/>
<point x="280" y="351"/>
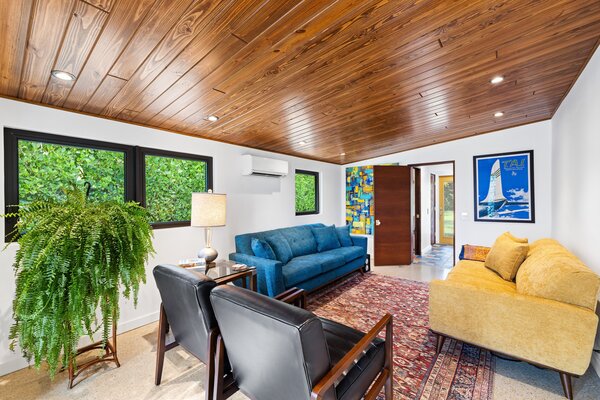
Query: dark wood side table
<point x="225" y="271"/>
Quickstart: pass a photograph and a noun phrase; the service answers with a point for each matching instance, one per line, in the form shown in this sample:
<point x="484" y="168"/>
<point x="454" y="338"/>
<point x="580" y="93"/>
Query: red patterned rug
<point x="461" y="372"/>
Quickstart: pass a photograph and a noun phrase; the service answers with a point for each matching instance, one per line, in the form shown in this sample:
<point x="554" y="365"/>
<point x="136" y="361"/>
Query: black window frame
<point x="134" y="175"/>
<point x="142" y="152"/>
<point x="317" y="194"/>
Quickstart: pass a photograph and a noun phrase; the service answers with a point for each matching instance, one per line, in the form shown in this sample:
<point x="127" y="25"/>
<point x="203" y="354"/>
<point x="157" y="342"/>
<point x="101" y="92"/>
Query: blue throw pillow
<point x="280" y="246"/>
<point x="261" y="249"/>
<point x="327" y="238"/>
<point x="343" y="233"/>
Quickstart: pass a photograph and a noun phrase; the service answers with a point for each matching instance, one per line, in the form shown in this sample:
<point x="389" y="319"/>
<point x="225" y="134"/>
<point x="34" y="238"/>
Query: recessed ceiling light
<point x="497" y="79"/>
<point x="63" y="75"/>
<point x="302" y="143"/>
<point x="342" y="154"/>
<point x="212" y="118"/>
<point x="498" y="114"/>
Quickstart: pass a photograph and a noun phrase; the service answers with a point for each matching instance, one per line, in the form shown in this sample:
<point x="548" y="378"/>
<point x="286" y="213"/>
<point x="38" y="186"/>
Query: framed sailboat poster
<point x="504" y="187"/>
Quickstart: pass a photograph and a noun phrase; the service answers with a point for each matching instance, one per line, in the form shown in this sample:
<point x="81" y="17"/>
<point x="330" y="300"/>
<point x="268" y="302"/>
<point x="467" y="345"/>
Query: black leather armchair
<point x="187" y="311"/>
<point x="278" y="351"/>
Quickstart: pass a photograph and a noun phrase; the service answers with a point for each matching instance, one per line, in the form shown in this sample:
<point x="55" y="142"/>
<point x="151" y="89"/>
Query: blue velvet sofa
<point x="307" y="268"/>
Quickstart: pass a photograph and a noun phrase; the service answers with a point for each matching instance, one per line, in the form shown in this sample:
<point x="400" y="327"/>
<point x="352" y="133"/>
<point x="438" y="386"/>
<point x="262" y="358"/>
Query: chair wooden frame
<point x="223" y="388"/>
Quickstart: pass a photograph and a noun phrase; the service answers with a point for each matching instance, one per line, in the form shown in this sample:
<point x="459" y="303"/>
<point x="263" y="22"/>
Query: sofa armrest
<point x="360" y="241"/>
<point x="269" y="275"/>
<point x="545" y="332"/>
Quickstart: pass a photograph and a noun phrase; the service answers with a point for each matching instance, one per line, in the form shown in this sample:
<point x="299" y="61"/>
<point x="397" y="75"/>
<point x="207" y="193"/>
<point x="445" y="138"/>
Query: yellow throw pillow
<point x="516" y="239"/>
<point x="506" y="256"/>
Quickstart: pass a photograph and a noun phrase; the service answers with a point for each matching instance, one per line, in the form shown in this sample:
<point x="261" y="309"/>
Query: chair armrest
<point x="360" y="241"/>
<point x="269" y="274"/>
<point x="294" y="296"/>
<point x="355" y="353"/>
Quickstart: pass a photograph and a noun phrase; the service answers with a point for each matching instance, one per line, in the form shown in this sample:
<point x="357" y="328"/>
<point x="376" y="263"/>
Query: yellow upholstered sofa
<point x="545" y="317"/>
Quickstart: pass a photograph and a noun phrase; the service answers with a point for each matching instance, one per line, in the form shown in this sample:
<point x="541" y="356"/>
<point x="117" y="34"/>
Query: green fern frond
<point x="74" y="258"/>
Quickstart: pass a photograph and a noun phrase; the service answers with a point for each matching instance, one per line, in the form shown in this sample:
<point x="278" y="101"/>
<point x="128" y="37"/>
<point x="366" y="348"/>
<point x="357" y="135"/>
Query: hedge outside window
<point x="169" y="181"/>
<point x="40" y="165"/>
<point x="307" y="192"/>
<point x="46" y="168"/>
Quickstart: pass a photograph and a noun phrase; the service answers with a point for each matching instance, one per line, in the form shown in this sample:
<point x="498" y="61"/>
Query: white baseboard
<point x="596" y="362"/>
<point x="12" y="366"/>
<point x="426" y="249"/>
<point x="20" y="363"/>
<point x="137" y="322"/>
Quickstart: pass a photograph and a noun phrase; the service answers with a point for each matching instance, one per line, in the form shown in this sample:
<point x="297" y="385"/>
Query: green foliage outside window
<point x="306" y="193"/>
<point x="45" y="169"/>
<point x="170" y="183"/>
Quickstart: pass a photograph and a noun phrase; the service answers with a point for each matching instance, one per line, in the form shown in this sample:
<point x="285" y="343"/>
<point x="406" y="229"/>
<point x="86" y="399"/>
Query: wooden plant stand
<point x="110" y="354"/>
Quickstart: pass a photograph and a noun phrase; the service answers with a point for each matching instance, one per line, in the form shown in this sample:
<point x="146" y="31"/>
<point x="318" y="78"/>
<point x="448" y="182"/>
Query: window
<point x="307" y="192"/>
<point x="169" y="180"/>
<point x="40" y="165"/>
<point x="46" y="168"/>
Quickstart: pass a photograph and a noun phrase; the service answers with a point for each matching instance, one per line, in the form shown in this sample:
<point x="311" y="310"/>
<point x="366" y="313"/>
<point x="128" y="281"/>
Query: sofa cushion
<point x="300" y="269"/>
<point x="349" y="253"/>
<point x="326" y="238"/>
<point x="475" y="273"/>
<point x="552" y="272"/>
<point x="262" y="249"/>
<point x="280" y="246"/>
<point x="343" y="233"/>
<point x="506" y="255"/>
<point x="300" y="239"/>
<point x="329" y="260"/>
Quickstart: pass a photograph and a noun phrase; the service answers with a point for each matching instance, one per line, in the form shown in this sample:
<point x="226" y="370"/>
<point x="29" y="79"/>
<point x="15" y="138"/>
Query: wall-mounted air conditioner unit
<point x="252" y="165"/>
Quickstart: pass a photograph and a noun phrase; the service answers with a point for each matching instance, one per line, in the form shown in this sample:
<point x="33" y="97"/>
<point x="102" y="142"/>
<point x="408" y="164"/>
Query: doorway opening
<point x="433" y="213"/>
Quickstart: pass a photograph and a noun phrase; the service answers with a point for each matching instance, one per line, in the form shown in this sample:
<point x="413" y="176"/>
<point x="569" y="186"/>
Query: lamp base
<point x="209" y="254"/>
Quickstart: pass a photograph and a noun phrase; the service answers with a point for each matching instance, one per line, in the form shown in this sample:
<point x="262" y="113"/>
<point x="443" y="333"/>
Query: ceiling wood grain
<point x="360" y="77"/>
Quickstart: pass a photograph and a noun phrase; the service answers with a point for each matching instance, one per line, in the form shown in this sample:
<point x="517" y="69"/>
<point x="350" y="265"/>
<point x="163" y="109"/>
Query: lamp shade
<point x="208" y="209"/>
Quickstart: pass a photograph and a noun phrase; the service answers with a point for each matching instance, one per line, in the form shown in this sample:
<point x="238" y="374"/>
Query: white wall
<point x="576" y="167"/>
<point x="425" y="210"/>
<point x="253" y="203"/>
<point x="537" y="137"/>
<point x="576" y="172"/>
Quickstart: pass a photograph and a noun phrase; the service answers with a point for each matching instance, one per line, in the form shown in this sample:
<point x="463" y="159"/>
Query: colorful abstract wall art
<point x="359" y="200"/>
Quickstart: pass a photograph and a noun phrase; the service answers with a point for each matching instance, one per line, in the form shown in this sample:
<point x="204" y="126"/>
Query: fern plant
<point x="74" y="258"/>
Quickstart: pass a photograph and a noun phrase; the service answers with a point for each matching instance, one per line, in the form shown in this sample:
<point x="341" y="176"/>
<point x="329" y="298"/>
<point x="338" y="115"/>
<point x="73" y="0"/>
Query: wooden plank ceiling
<point x="313" y="78"/>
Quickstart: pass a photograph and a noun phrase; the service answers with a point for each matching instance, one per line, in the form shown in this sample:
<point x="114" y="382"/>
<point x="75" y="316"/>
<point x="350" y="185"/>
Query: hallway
<point x="435" y="264"/>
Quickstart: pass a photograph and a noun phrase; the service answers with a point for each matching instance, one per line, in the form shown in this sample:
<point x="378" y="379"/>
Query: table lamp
<point x="208" y="210"/>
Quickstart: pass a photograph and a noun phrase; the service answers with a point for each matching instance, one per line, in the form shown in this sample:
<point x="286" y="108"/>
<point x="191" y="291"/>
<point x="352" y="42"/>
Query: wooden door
<point x="392" y="215"/>
<point x="446" y="189"/>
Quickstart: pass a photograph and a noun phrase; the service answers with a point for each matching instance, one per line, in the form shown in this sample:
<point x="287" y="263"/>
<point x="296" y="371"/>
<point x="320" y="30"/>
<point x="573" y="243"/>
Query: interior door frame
<point x="441" y="180"/>
<point x="417" y="237"/>
<point x="453" y="162"/>
<point x="432" y="205"/>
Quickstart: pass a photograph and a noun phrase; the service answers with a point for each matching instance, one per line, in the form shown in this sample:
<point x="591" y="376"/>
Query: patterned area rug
<point x="461" y="372"/>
